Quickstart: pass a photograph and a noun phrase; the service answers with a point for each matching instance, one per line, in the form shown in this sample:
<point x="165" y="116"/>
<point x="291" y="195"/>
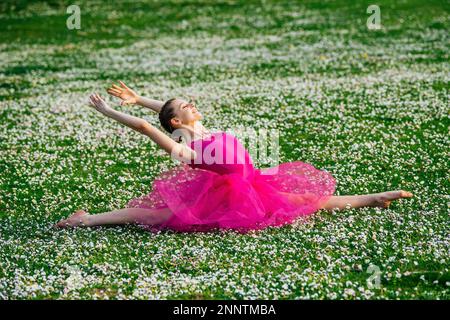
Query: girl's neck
<point x="196" y="130"/>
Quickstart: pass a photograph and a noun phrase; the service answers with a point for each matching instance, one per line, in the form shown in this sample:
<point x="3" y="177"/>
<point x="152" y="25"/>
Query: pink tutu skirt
<point x="203" y="197"/>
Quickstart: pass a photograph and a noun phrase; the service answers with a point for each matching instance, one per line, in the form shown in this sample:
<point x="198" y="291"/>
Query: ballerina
<point x="202" y="195"/>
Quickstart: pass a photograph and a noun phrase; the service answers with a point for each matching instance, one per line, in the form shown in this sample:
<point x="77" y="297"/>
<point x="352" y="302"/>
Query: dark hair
<point x="166" y="114"/>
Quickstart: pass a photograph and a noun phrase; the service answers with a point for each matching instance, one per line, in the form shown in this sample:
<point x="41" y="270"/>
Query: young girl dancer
<point x="202" y="193"/>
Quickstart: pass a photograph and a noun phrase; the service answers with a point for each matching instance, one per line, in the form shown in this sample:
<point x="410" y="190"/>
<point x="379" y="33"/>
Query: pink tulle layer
<point x="235" y="196"/>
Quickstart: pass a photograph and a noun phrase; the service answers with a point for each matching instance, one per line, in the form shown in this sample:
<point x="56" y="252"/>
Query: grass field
<point x="370" y="106"/>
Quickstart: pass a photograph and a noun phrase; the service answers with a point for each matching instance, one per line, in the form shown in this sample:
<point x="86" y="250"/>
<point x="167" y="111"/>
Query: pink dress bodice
<point x="222" y="153"/>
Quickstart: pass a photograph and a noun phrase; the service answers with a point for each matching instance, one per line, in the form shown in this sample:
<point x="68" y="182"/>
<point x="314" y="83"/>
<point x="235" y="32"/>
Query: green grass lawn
<point x="370" y="106"/>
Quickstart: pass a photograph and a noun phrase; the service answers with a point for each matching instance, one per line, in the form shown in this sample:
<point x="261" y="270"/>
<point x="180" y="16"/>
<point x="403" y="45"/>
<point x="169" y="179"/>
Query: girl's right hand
<point x="99" y="103"/>
<point x="127" y="95"/>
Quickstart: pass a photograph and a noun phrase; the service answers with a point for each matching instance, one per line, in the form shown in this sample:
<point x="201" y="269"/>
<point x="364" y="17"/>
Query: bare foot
<point x="77" y="219"/>
<point x="384" y="199"/>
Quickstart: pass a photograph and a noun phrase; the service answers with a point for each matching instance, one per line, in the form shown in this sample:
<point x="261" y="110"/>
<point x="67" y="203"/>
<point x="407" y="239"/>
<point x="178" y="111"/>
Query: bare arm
<point x="129" y="96"/>
<point x="155" y="105"/>
<point x="176" y="150"/>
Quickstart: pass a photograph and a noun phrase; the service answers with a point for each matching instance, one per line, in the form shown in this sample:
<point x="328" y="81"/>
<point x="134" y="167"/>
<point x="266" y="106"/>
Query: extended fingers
<point x="96" y="101"/>
<point x="114" y="92"/>
<point x="91" y="100"/>
<point x="123" y="85"/>
<point x="98" y="97"/>
<point x="116" y="88"/>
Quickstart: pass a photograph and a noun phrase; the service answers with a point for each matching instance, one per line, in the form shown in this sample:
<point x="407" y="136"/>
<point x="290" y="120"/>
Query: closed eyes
<point x="190" y="103"/>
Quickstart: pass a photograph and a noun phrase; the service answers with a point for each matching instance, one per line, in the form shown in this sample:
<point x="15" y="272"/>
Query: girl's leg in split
<point x="122" y="216"/>
<point x="380" y="200"/>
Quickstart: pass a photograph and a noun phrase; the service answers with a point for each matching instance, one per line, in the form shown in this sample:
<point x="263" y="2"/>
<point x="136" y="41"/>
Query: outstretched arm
<point x="129" y="96"/>
<point x="155" y="105"/>
<point x="176" y="150"/>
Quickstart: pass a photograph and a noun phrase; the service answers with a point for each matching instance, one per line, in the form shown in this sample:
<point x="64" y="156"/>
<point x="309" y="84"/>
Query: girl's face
<point x="186" y="112"/>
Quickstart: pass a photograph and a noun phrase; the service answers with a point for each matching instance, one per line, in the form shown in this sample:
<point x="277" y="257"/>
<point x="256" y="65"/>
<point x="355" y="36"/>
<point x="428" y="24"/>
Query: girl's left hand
<point x="127" y="95"/>
<point x="98" y="103"/>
